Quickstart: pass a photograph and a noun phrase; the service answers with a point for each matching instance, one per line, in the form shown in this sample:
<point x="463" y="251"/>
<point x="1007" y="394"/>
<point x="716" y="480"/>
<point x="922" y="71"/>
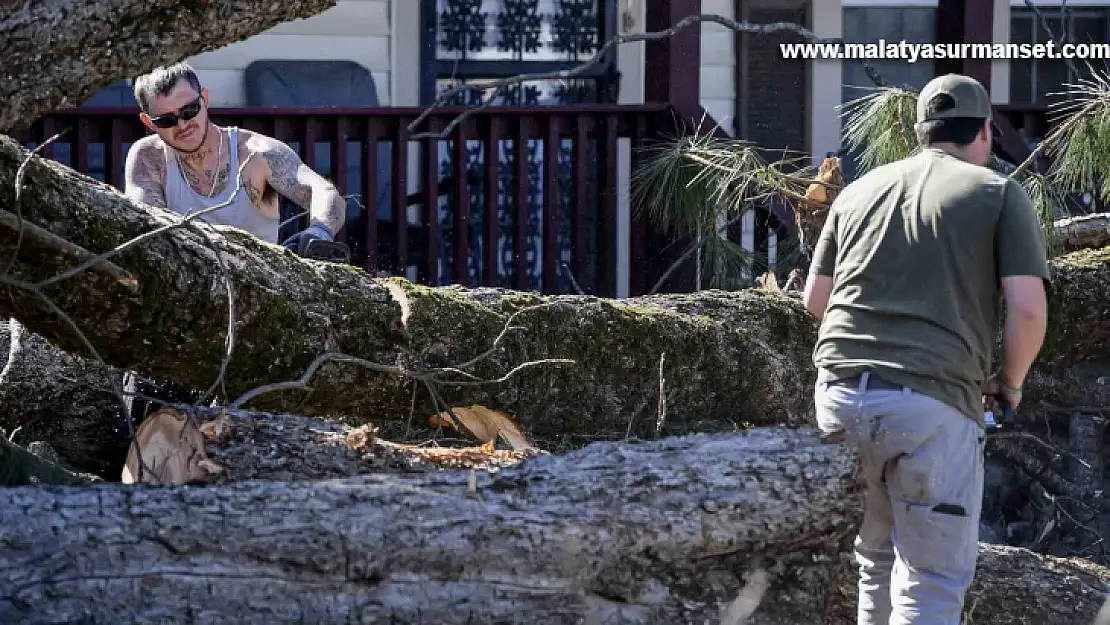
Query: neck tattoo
<point x="213" y="177"/>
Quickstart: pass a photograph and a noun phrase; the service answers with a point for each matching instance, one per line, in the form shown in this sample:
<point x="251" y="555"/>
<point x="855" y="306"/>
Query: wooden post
<point x="965" y="21"/>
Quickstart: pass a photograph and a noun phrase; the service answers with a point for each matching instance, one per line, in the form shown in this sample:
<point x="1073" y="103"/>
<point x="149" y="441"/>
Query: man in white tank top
<point x="190" y="164"/>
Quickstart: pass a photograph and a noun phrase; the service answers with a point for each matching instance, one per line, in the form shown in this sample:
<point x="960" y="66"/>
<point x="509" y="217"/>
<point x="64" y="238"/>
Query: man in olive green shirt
<point x="906" y="280"/>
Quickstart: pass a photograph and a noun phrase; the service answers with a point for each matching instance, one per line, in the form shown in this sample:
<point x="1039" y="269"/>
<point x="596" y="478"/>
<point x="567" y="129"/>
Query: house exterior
<point x="377" y="64"/>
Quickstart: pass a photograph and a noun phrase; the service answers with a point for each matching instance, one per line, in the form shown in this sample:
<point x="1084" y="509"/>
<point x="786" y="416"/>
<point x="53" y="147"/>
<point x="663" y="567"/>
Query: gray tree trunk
<point x="733" y="357"/>
<point x="58" y="52"/>
<point x="659" y="532"/>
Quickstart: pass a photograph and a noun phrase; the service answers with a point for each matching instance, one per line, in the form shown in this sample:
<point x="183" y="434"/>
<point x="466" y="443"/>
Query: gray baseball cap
<point x="970" y="97"/>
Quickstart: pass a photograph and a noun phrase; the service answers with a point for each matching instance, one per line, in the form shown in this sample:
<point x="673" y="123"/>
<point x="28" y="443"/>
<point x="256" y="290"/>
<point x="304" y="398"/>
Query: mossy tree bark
<point x="727" y="357"/>
<point x="58" y="52"/>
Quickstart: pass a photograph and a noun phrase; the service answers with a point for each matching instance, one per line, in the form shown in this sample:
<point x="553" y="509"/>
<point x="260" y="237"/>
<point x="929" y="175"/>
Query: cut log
<point x="743" y="357"/>
<point x="659" y="532"/>
<point x="1083" y="231"/>
<point x="89" y="45"/>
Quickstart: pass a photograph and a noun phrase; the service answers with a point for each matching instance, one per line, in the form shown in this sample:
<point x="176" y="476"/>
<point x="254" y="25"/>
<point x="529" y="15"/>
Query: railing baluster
<point x="460" y="204"/>
<point x="491" y="228"/>
<point x="80" y="150"/>
<point x="550" y="267"/>
<point x="308" y="155"/>
<point x="339" y="167"/>
<point x="607" y="246"/>
<point x="637" y="255"/>
<point x="579" y="217"/>
<point x="113" y="153"/>
<point x="370" y="192"/>
<point x="400" y="194"/>
<point x="429" y="168"/>
<point x="49" y="129"/>
<point x="521" y="204"/>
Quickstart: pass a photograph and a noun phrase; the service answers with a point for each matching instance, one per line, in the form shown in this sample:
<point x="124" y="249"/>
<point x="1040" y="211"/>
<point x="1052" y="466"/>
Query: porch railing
<point x="553" y="218"/>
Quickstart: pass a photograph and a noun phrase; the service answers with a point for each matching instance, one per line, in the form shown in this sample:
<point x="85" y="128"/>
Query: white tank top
<point x="240" y="213"/>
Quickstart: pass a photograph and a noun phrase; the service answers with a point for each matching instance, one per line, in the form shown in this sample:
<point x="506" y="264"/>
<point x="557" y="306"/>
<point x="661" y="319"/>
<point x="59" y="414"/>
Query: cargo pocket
<point x="933" y="529"/>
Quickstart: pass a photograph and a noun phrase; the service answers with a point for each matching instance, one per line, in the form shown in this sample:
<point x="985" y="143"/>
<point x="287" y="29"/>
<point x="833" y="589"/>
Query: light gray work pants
<point x="922" y="460"/>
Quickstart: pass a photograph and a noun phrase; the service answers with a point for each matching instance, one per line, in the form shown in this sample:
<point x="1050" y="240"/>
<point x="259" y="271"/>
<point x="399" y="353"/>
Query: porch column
<point x="965" y="21"/>
<point x="824" y="78"/>
<point x="1000" y="68"/>
<point x="672" y="66"/>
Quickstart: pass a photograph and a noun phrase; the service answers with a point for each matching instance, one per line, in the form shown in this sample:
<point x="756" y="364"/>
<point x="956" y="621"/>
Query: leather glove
<point x="299" y="241"/>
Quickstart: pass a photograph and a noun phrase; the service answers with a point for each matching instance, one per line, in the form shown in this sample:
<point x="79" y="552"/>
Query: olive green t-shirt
<point x="916" y="249"/>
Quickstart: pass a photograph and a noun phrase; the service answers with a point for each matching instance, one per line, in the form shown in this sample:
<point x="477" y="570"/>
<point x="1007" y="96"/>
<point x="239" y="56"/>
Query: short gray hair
<point x="161" y="81"/>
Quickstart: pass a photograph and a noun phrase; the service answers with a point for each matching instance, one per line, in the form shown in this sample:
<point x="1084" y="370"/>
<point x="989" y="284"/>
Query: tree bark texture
<point x="1083" y="231"/>
<point x="659" y="532"/>
<point x="62" y="400"/>
<point x="616" y="531"/>
<point x="58" y="52"/>
<point x="729" y="357"/>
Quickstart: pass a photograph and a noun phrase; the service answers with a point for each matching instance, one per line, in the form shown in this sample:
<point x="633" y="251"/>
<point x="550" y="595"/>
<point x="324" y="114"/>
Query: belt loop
<point x="907" y="390"/>
<point x="863" y="380"/>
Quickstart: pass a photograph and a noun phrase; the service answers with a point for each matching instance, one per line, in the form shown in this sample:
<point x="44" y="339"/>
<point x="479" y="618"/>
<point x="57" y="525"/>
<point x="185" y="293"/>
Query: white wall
<point x="353" y="30"/>
<point x="718" y="65"/>
<point x="824" y="78"/>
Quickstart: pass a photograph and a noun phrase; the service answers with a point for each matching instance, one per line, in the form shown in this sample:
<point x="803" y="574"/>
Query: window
<point x="467" y="41"/>
<point x="475" y="41"/>
<point x="1040" y="81"/>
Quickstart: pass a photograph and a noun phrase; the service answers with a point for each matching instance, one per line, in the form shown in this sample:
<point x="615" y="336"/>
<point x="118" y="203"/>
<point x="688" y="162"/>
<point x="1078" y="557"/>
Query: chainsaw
<point x="329" y="251"/>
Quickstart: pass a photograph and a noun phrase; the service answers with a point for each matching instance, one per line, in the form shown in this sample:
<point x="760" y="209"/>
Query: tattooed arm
<point x="293" y="179"/>
<point x="144" y="173"/>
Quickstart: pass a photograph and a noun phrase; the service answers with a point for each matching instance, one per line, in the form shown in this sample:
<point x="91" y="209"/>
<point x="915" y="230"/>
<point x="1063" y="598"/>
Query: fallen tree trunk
<point x="52" y="396"/>
<point x="743" y="357"/>
<point x="740" y="357"/>
<point x="89" y="45"/>
<point x="608" y="530"/>
<point x="1083" y="231"/>
<point x="659" y="532"/>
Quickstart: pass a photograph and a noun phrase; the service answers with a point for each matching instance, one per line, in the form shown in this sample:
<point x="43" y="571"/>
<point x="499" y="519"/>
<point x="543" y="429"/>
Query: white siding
<point x="718" y="65"/>
<point x="353" y="30"/>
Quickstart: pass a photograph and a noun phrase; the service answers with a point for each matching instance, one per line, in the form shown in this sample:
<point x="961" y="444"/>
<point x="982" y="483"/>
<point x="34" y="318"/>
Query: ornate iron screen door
<point x="476" y="41"/>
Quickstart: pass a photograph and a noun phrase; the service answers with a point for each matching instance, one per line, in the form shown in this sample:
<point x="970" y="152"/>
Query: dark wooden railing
<point x="573" y="150"/>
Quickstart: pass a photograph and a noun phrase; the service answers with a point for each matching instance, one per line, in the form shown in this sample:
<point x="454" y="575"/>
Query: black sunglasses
<point x="187" y="112"/>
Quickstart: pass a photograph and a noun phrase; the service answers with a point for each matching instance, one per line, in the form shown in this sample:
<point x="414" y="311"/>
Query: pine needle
<point x="881" y="124"/>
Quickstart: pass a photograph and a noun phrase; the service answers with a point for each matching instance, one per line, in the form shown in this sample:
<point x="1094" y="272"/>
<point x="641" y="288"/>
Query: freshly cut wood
<point x="58" y="52"/>
<point x="169" y="448"/>
<point x="741" y="357"/>
<point x="1083" y="231"/>
<point x="658" y="532"/>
